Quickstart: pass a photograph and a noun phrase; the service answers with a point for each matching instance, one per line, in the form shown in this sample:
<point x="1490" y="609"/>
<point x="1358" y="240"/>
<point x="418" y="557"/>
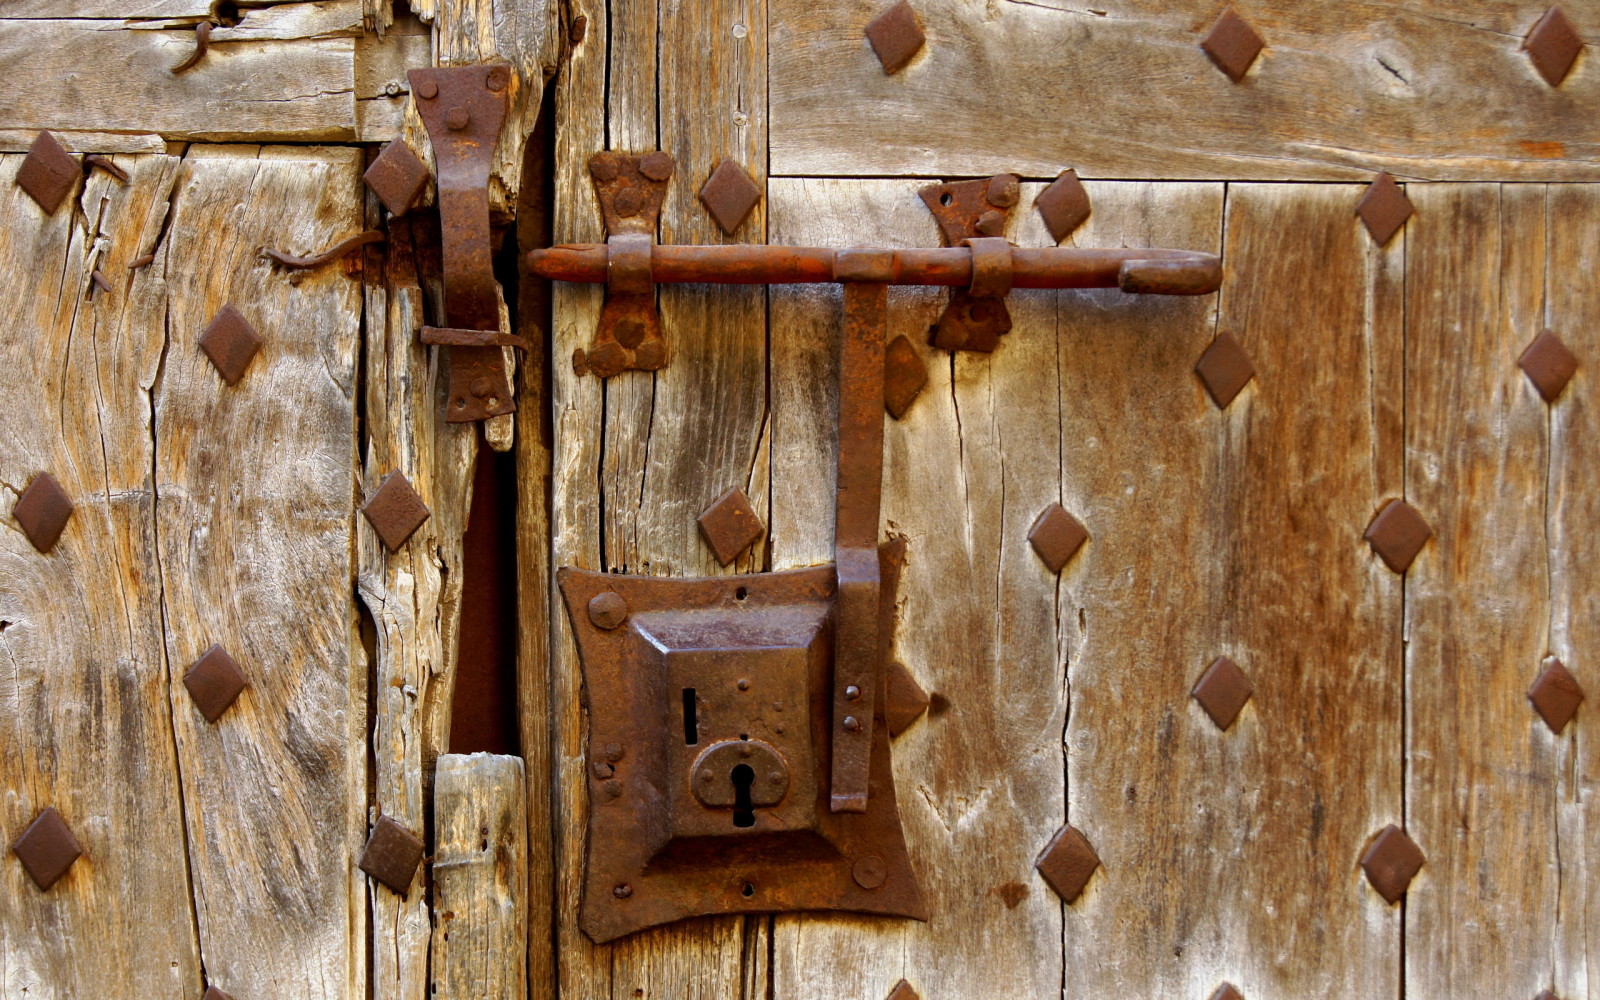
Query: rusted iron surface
<point x="1556" y="695"/>
<point x="896" y="37"/>
<point x="48" y="173"/>
<point x="395" y="511"/>
<point x="630" y="188"/>
<point x="1232" y="45"/>
<point x="1068" y="862"/>
<point x="47" y="848"/>
<point x="904" y="700"/>
<point x="1064" y="205"/>
<point x="99" y="280"/>
<point x="214" y="681"/>
<point x="967" y="211"/>
<point x="231" y="343"/>
<point x="392" y="855"/>
<point x="300" y="263"/>
<point x="143" y="260"/>
<point x="964" y="209"/>
<point x="698" y="667"/>
<point x="730" y="525"/>
<point x="904" y="376"/>
<point x="729" y="195"/>
<point x="397" y="176"/>
<point x="1225" y="369"/>
<point x="463" y="108"/>
<point x="202" y="44"/>
<point x="1057" y="536"/>
<point x="1553" y="45"/>
<point x="1549" y="365"/>
<point x="1191" y="272"/>
<point x="1397" y="534"/>
<point x="1222" y="691"/>
<point x="1391" y="861"/>
<point x="1384" y="208"/>
<point x="42" y="511"/>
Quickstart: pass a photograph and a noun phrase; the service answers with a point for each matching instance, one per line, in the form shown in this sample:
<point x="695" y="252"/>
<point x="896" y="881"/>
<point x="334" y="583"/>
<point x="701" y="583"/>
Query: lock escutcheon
<point x="739" y="774"/>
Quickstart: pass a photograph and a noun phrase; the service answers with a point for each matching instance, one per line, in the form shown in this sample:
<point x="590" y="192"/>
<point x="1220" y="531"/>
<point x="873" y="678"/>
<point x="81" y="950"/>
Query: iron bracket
<point x="630" y="188"/>
<point x="975" y="317"/>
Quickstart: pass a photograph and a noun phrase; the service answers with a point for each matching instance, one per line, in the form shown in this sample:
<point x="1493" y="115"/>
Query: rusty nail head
<point x="1222" y="691"/>
<point x="42" y="510"/>
<point x="851" y="724"/>
<point x="744" y="684"/>
<point x="392" y="855"/>
<point x="896" y="37"/>
<point x="904" y="376"/>
<point x="212" y="993"/>
<point x="1232" y="44"/>
<point x="1397" y="534"/>
<point x="214" y="681"/>
<point x="851" y="692"/>
<point x="1553" y="45"/>
<point x="1549" y="365"/>
<point x="99" y="280"/>
<point x="47" y="848"/>
<point x="1057" y="536"/>
<point x="1227" y="991"/>
<point x="457" y="118"/>
<point x="397" y="176"/>
<point x="1068" y="862"/>
<point x="603" y="169"/>
<point x="730" y="525"/>
<point x="904" y="700"/>
<point x="729" y="195"/>
<point x="1555" y="695"/>
<point x="231" y="343"/>
<point x="395" y="511"/>
<point x="903" y="991"/>
<point x="622" y="891"/>
<point x="426" y="89"/>
<point x="612" y="788"/>
<point x="499" y="77"/>
<point x="608" y="610"/>
<point x="48" y="172"/>
<point x="1384" y="208"/>
<point x="657" y="165"/>
<point x="1391" y="861"/>
<point x="1225" y="369"/>
<point x="869" y="871"/>
<point x="1064" y="205"/>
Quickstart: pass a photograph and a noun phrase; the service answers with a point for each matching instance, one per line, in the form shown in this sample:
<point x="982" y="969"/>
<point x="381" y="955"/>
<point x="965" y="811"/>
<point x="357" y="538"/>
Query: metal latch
<point x="738" y="750"/>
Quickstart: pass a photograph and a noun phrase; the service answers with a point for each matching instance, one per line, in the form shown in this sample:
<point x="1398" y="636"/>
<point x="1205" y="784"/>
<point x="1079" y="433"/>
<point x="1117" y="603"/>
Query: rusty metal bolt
<point x="613" y="752"/>
<point x="992" y="223"/>
<point x="499" y="77"/>
<point x="744" y="684"/>
<point x="851" y="724"/>
<point x="776" y="777"/>
<point x="457" y="118"/>
<point x="607" y="610"/>
<point x="657" y="166"/>
<point x="482" y="386"/>
<point x="622" y="891"/>
<point x="746" y="750"/>
<point x="602" y="770"/>
<point x="869" y="871"/>
<point x="613" y="788"/>
<point x="1003" y="190"/>
<point x="427" y="90"/>
<point x="629" y="201"/>
<point x="851" y="692"/>
<point x="603" y="169"/>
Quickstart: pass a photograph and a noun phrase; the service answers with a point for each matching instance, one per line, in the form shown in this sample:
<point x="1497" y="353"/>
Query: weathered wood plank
<point x="1434" y="90"/>
<point x="21" y="140"/>
<point x="383" y="91"/>
<point x="84" y="694"/>
<point x="480" y="878"/>
<point x="1483" y="790"/>
<point x="255" y="524"/>
<point x="115" y="9"/>
<point x="96" y="76"/>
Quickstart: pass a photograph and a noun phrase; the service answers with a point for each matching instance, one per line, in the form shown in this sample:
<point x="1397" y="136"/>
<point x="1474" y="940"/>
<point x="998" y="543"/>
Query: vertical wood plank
<point x="84" y="693"/>
<point x="1482" y="790"/>
<point x="256" y="526"/>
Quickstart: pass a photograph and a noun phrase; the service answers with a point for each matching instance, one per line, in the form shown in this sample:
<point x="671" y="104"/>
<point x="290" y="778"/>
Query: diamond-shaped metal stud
<point x="729" y="195"/>
<point x="896" y="37"/>
<point x="48" y="173"/>
<point x="1553" y="46"/>
<point x="1225" y="369"/>
<point x="1227" y="991"/>
<point x="903" y="991"/>
<point x="1391" y="861"/>
<point x="904" y="375"/>
<point x="42" y="511"/>
<point x="231" y="343"/>
<point x="47" y="848"/>
<point x="1057" y="536"/>
<point x="1555" y="695"/>
<point x="1064" y="205"/>
<point x="395" y="511"/>
<point x="904" y="701"/>
<point x="1384" y="208"/>
<point x="730" y="525"/>
<point x="214" y="682"/>
<point x="1397" y="534"/>
<point x="212" y="993"/>
<point x="1232" y="44"/>
<point x="397" y="177"/>
<point x="392" y="855"/>
<point x="1222" y="691"/>
<point x="1068" y="862"/>
<point x="1549" y="365"/>
<point x="1546" y="995"/>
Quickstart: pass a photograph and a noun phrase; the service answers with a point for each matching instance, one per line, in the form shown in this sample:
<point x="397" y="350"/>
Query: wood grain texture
<point x="1485" y="778"/>
<point x="95" y="76"/>
<point x="85" y="688"/>
<point x="480" y="878"/>
<point x="20" y="140"/>
<point x="1434" y="89"/>
<point x="255" y="527"/>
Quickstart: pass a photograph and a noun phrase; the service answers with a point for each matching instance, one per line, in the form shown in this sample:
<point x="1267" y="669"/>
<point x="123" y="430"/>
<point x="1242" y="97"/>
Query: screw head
<point x="457" y="118"/>
<point x="869" y="871"/>
<point x="608" y="610"/>
<point x="426" y="89"/>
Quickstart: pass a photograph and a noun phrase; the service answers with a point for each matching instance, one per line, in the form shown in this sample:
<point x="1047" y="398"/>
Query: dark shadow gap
<point x="483" y="712"/>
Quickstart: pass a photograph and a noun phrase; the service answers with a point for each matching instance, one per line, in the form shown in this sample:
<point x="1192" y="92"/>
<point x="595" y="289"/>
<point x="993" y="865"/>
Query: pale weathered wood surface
<point x="85" y="687"/>
<point x="1436" y="90"/>
<point x="255" y="533"/>
<point x="97" y="76"/>
<point x="480" y="878"/>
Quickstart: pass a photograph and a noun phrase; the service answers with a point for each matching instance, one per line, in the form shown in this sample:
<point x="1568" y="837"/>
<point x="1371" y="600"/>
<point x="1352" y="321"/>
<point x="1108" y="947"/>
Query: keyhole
<point x="691" y="719"/>
<point x="743" y="812"/>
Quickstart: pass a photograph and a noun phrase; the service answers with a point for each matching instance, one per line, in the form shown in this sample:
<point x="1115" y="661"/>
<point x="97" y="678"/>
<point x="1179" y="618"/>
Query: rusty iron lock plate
<point x="709" y="752"/>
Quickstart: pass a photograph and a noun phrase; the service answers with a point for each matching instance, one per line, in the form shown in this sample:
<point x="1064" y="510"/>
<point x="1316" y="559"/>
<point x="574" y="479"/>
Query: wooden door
<point x="1414" y="690"/>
